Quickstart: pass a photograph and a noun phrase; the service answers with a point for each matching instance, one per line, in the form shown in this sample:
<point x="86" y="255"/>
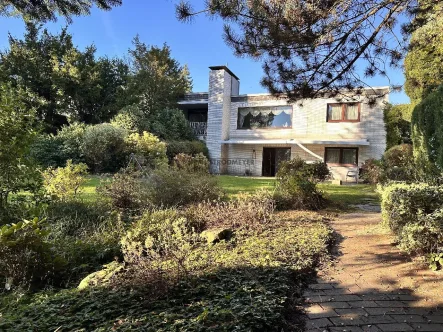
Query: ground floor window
<point x="272" y="157"/>
<point x="341" y="156"/>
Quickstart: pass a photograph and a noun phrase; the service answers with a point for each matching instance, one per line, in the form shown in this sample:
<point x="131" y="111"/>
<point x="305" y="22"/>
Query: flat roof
<point x="225" y="68"/>
<point x="298" y="141"/>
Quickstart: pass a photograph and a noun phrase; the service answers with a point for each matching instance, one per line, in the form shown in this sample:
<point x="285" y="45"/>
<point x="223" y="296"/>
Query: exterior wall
<point x="219" y="101"/>
<point x="308" y="122"/>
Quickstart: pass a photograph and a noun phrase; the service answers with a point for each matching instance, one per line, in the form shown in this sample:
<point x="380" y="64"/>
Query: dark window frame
<point x="265" y="128"/>
<point x="340" y="163"/>
<point x="343" y="112"/>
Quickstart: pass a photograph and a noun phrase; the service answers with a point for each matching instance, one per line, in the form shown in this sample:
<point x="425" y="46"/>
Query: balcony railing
<point x="199" y="128"/>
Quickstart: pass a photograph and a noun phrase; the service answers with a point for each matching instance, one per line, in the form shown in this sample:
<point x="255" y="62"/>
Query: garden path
<point x="371" y="285"/>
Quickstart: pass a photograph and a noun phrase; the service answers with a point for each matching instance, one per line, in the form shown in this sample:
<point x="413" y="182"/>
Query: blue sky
<point x="199" y="44"/>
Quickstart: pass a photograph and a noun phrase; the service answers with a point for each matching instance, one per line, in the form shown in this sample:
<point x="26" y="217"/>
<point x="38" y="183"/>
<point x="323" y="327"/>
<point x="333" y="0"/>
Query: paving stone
<point x="318" y="323"/>
<point x="397" y="327"/>
<point x="346" y="298"/>
<point x="353" y="312"/>
<point x="402" y="297"/>
<point x="370" y="328"/>
<point x="337" y="291"/>
<point x="363" y="304"/>
<point x="318" y="299"/>
<point x="391" y="304"/>
<point x="386" y="311"/>
<point x="434" y="319"/>
<point x="375" y="297"/>
<point x="346" y="321"/>
<point x="427" y="327"/>
<point x="346" y="329"/>
<point x="316" y="311"/>
<point x="410" y="319"/>
<point x="313" y="292"/>
<point x="335" y="305"/>
<point x="321" y="286"/>
<point x="381" y="319"/>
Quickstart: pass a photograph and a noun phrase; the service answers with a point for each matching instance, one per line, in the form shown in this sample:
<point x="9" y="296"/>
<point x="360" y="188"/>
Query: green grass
<point x="234" y="185"/>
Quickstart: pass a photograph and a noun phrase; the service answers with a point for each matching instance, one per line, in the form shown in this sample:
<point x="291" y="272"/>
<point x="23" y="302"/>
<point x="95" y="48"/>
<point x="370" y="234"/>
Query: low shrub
<point x="372" y="172"/>
<point x="26" y="258"/>
<point x="125" y="192"/>
<point x="47" y="151"/>
<point x="104" y="148"/>
<point x="245" y="212"/>
<point x="177" y="187"/>
<point x="193" y="164"/>
<point x="192" y="148"/>
<point x="297" y="185"/>
<point x="413" y="212"/>
<point x="64" y="183"/>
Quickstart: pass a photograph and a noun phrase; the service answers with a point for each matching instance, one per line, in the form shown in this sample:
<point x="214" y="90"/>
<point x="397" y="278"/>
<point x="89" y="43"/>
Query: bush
<point x="427" y="131"/>
<point x="372" y="172"/>
<point x="125" y="192"/>
<point x="297" y="185"/>
<point x="25" y="255"/>
<point x="191" y="148"/>
<point x="63" y="183"/>
<point x="175" y="187"/>
<point x="193" y="164"/>
<point x="245" y="211"/>
<point x="149" y="150"/>
<point x="398" y="156"/>
<point x="56" y="150"/>
<point x="397" y="120"/>
<point x="104" y="148"/>
<point x="413" y="212"/>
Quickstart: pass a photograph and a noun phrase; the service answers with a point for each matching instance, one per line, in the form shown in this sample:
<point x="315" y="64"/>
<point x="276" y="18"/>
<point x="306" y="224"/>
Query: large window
<point x="264" y="117"/>
<point x="343" y="113"/>
<point x="341" y="156"/>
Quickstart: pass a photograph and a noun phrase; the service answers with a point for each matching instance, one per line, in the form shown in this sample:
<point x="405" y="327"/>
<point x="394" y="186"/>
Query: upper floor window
<point x="343" y="113"/>
<point x="264" y="117"/>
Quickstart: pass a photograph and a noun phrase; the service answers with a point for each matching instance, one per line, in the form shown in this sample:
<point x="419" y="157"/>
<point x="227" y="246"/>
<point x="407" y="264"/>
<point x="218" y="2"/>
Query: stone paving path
<point x="372" y="286"/>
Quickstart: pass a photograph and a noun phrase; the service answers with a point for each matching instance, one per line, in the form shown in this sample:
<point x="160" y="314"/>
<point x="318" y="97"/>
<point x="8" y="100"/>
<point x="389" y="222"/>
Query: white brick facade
<point x="308" y="124"/>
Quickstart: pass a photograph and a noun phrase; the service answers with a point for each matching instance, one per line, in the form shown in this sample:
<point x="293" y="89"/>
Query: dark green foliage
<point x="17" y="128"/>
<point x="423" y="63"/>
<point x="71" y="82"/>
<point x="427" y="130"/>
<point x="104" y="148"/>
<point x="191" y="148"/>
<point x="414" y="213"/>
<point x="297" y="184"/>
<point x="55" y="150"/>
<point x="49" y="10"/>
<point x="397" y="120"/>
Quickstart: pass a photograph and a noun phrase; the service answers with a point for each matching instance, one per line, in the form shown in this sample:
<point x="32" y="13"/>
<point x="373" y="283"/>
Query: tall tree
<point x="44" y="10"/>
<point x="156" y="83"/>
<point x="73" y="83"/>
<point x="423" y="63"/>
<point x="309" y="48"/>
<point x="17" y="131"/>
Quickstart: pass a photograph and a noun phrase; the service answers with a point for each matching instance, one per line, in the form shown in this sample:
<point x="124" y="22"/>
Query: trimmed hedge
<point x="414" y="214"/>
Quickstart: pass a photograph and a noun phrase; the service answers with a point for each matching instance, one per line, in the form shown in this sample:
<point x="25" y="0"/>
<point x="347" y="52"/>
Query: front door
<point x="272" y="157"/>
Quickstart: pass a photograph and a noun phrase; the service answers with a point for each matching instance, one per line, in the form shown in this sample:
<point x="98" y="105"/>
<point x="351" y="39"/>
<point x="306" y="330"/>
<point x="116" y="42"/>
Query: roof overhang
<point x="297" y="141"/>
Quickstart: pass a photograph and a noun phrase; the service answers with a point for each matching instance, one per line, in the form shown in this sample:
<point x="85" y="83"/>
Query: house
<point x="251" y="134"/>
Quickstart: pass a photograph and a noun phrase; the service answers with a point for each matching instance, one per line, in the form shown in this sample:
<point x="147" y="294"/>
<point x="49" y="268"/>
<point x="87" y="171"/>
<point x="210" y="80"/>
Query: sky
<point x="198" y="44"/>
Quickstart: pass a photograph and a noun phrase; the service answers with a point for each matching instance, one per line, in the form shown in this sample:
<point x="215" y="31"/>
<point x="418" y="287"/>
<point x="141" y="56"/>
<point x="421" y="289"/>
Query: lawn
<point x="233" y="185"/>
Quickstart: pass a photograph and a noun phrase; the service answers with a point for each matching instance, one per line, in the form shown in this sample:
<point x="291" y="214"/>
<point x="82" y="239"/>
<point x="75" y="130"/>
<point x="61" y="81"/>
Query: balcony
<point x="199" y="129"/>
